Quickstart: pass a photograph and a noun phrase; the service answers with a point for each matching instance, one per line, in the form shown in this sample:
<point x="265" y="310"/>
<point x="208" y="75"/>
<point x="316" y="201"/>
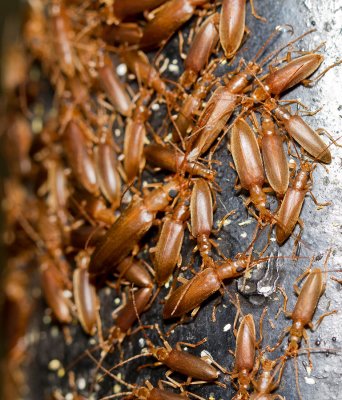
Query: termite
<point x="191" y="294"/>
<point x="172" y="159"/>
<point x="201" y="208"/>
<point x="167" y="19"/>
<point x="139" y="64"/>
<point x="135" y="134"/>
<point x="248" y="163"/>
<point x="273" y="154"/>
<point x="124" y="8"/>
<point x="80" y="160"/>
<point x="200" y="50"/>
<point x="113" y="87"/>
<point x="62" y="36"/>
<point x="166" y="254"/>
<point x="85" y="294"/>
<point x="244" y="356"/>
<point x="130" y="227"/>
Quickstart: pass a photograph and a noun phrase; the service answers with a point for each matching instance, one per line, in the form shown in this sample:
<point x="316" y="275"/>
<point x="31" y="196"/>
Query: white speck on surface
<point x="264" y="289"/>
<point x="67" y="294"/>
<point x="46" y="319"/>
<point x="117" y="388"/>
<point x="155" y="107"/>
<point x="121" y="157"/>
<point x="54" y="331"/>
<point x="117" y="301"/>
<point x="247" y="222"/>
<point x="173" y="68"/>
<point x="81" y="383"/>
<point x="69" y="396"/>
<point x="168" y="138"/>
<point x="175" y="61"/>
<point x="309" y="381"/>
<point x="121" y="69"/>
<point x="243" y="235"/>
<point x="141" y="342"/>
<point x="205" y="353"/>
<point x="54" y="365"/>
<point x="227" y="222"/>
<point x="226" y="328"/>
<point x="107" y="291"/>
<point x="117" y="132"/>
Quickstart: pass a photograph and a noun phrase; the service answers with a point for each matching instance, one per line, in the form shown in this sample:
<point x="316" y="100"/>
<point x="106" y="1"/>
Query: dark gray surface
<point x="322" y="231"/>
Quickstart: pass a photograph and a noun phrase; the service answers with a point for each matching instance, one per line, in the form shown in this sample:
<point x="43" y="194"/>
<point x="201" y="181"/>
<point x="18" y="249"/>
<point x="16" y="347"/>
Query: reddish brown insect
<point x="190" y="295"/>
<point x="85" y="294"/>
<point x="107" y="171"/>
<point x="247" y="159"/>
<point x="282" y="79"/>
<point x="166" y="254"/>
<point x="62" y="36"/>
<point x="291" y="206"/>
<point x="53" y="284"/>
<point x="273" y="154"/>
<point x="244" y="356"/>
<point x="200" y="50"/>
<point x="167" y="19"/>
<point x="179" y="360"/>
<point x="139" y="64"/>
<point x="135" y="272"/>
<point x="135" y="134"/>
<point x="123" y="8"/>
<point x="184" y="121"/>
<point x="114" y="88"/>
<point x="172" y="159"/>
<point x="268" y="379"/>
<point x="129" y="228"/>
<point x="303" y="312"/>
<point x="79" y="157"/>
<point x="201" y="208"/>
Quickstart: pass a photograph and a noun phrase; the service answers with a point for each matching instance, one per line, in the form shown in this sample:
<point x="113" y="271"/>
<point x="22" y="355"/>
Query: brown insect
<point x="130" y="227"/>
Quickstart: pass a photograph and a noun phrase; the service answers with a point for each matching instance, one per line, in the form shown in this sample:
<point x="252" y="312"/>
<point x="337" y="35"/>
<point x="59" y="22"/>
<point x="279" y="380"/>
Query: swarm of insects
<point x="115" y="184"/>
